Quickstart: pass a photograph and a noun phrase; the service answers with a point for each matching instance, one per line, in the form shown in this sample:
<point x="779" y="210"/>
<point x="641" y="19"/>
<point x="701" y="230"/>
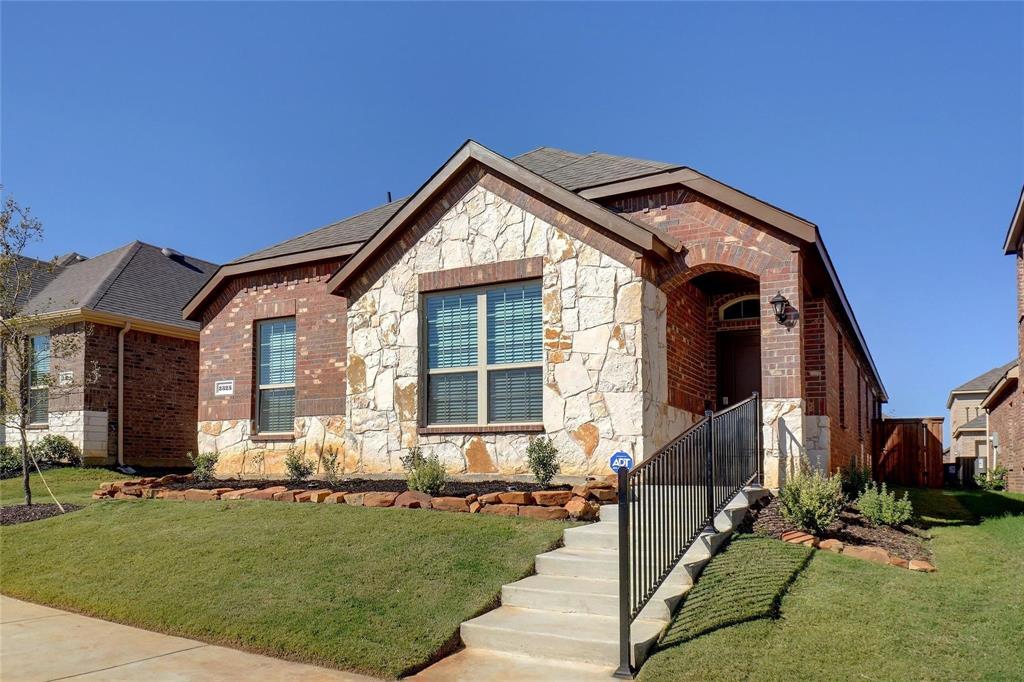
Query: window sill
<point x="273" y="437"/>
<point x="37" y="427"/>
<point x="488" y="428"/>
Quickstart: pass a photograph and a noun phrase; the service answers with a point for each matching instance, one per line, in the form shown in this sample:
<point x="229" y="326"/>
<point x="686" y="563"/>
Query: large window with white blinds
<point x="38" y="380"/>
<point x="484" y="355"/>
<point x="276" y="370"/>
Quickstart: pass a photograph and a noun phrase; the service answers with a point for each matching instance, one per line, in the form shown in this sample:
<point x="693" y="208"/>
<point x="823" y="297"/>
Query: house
<point x="137" y="356"/>
<point x="600" y="300"/>
<point x="1004" y="403"/>
<point x="969" y="423"/>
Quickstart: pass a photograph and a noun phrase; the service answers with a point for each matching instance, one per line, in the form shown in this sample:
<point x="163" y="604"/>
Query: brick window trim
<point x="482" y="275"/>
<point x="487" y="429"/>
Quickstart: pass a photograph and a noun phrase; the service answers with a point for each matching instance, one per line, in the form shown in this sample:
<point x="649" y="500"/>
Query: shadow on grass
<point x="962" y="507"/>
<point x="745" y="582"/>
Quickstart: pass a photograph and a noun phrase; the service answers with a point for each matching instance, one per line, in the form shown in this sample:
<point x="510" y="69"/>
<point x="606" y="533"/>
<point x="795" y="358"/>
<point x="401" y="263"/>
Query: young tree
<point x="33" y="339"/>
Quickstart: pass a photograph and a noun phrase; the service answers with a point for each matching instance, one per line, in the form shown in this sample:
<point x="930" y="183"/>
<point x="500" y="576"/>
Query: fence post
<point x="709" y="470"/>
<point x="760" y="440"/>
<point x="625" y="669"/>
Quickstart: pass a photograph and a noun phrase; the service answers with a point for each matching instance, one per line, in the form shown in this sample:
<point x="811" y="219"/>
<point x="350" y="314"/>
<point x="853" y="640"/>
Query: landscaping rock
<point x="318" y="496"/>
<point x="552" y="498"/>
<point x="335" y="498"/>
<point x="355" y="499"/>
<point x="196" y="495"/>
<point x="107" y="486"/>
<point x="581" y="490"/>
<point x="413" y="499"/>
<point x="515" y="498"/>
<point x="286" y="495"/>
<point x="238" y="494"/>
<point x="174" y="495"/>
<point x="549" y="513"/>
<point x="923" y="566"/>
<point x="874" y="554"/>
<point x="100" y="495"/>
<point x="303" y="496"/>
<point x="605" y="495"/>
<point x="220" y="491"/>
<point x="471" y="498"/>
<point x="453" y="504"/>
<point x="898" y="562"/>
<point x="501" y="509"/>
<point x="379" y="499"/>
<point x="831" y="545"/>
<point x="490" y="498"/>
<point x="133" y="490"/>
<point x="798" y="537"/>
<point x="581" y="509"/>
<point x="475" y="507"/>
<point x="266" y="493"/>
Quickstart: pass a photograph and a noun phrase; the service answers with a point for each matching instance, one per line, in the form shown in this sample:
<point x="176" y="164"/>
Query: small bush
<point x="425" y="474"/>
<point x="10" y="461"/>
<point x="812" y="501"/>
<point x="542" y="457"/>
<point x="329" y="464"/>
<point x="203" y="465"/>
<point x="995" y="479"/>
<point x="299" y="468"/>
<point x="882" y="508"/>
<point x="56" y="449"/>
<point x="855" y="479"/>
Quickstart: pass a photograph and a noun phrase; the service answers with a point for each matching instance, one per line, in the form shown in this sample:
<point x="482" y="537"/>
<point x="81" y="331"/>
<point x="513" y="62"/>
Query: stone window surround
<point x="503" y="272"/>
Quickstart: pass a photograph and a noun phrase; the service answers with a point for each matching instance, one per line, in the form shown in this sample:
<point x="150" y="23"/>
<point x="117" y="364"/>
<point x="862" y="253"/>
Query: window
<point x="484" y="355"/>
<point x="38" y="375"/>
<point x="276" y="396"/>
<point x="747" y="308"/>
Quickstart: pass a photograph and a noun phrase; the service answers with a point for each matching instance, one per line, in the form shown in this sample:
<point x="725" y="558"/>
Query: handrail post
<point x="709" y="473"/>
<point x="760" y="440"/>
<point x="625" y="669"/>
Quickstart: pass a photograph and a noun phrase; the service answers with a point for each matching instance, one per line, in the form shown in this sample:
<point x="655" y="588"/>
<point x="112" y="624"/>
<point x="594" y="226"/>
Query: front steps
<point x="567" y="614"/>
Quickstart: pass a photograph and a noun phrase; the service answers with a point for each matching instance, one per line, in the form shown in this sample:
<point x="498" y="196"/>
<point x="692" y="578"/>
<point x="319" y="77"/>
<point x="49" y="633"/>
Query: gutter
<point x="120" y="392"/>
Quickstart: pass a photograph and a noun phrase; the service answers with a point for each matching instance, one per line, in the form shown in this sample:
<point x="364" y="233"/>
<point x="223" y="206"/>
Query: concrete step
<point x="593" y="536"/>
<point x="561" y="636"/>
<point x="582" y="563"/>
<point x="564" y="594"/>
<point x="481" y="665"/>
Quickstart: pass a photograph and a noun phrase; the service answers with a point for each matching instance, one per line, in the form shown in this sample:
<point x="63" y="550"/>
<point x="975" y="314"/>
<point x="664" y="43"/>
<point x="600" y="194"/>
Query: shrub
<point x="56" y="449"/>
<point x="855" y="478"/>
<point x="10" y="461"/>
<point x="203" y="465"/>
<point x="542" y="457"/>
<point x="881" y="507"/>
<point x="995" y="479"/>
<point x="299" y="468"/>
<point x="812" y="501"/>
<point x="329" y="464"/>
<point x="425" y="474"/>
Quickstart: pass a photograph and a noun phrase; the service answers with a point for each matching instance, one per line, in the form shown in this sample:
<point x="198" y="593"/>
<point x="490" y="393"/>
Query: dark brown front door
<point x="738" y="366"/>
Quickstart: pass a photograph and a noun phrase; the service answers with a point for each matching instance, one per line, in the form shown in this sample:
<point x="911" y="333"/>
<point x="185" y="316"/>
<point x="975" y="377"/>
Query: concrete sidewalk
<point x="40" y="643"/>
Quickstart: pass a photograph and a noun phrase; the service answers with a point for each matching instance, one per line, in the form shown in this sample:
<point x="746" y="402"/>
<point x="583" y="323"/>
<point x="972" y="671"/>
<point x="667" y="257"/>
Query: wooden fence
<point x="908" y="451"/>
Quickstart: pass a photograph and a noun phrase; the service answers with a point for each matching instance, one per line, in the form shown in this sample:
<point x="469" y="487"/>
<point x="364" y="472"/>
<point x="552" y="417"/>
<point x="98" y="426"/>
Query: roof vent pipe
<point x="171" y="253"/>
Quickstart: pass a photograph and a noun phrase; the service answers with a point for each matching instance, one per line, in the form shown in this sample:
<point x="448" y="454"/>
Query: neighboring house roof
<point x="40" y="273"/>
<point x="134" y="282"/>
<point x="577" y="179"/>
<point x="979" y="423"/>
<point x="1016" y="229"/>
<point x="982" y="383"/>
<point x="1007" y="381"/>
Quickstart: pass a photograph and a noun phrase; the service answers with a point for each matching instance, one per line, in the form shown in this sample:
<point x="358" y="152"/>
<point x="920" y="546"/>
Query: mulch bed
<point x="20" y="513"/>
<point x="851" y="529"/>
<point x="363" y="485"/>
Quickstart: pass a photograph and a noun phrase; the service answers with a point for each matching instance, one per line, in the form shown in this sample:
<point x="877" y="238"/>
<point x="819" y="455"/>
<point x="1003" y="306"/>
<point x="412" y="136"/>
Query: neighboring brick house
<point x="1005" y="403"/>
<point x="601" y="300"/>
<point x="136" y="352"/>
<point x="968" y="421"/>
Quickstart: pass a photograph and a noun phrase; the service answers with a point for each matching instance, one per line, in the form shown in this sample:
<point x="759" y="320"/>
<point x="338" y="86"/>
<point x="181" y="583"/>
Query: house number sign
<point x="225" y="387"/>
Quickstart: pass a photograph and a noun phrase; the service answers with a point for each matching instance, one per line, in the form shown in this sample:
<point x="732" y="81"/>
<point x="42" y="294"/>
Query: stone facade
<point x="85" y="428"/>
<point x="593" y="312"/>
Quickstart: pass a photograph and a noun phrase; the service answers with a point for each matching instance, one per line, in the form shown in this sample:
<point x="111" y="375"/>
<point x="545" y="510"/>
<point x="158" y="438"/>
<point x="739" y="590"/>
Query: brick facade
<point x="1004" y="419"/>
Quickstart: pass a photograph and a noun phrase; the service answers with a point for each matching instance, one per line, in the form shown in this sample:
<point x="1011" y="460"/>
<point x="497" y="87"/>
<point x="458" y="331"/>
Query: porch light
<point x="780" y="305"/>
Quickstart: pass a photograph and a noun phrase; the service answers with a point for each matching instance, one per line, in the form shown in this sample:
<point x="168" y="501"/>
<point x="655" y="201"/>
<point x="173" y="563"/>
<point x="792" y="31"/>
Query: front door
<point x="738" y="365"/>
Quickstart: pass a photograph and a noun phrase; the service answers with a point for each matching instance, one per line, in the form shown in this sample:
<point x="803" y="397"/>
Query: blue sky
<point x="219" y="128"/>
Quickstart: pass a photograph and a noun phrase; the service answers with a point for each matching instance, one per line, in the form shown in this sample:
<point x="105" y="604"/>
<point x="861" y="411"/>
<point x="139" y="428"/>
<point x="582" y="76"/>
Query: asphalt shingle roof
<point x="136" y="280"/>
<point x="984" y="382"/>
<point x="570" y="170"/>
<point x="979" y="423"/>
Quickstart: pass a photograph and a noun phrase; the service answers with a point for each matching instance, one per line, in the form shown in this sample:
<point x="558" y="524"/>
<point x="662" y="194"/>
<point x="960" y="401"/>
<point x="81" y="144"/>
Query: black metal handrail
<point x="673" y="496"/>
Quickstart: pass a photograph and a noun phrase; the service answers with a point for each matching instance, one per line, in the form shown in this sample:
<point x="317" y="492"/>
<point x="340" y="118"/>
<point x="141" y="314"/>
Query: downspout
<point x="120" y="392"/>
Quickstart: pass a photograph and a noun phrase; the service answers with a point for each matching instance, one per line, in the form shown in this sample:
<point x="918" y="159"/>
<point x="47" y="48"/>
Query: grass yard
<point x="378" y="591"/>
<point x="69" y="484"/>
<point x="760" y="613"/>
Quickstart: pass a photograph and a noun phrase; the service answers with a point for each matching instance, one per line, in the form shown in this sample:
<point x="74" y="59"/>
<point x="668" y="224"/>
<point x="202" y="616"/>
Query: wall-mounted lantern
<point x="780" y="305"/>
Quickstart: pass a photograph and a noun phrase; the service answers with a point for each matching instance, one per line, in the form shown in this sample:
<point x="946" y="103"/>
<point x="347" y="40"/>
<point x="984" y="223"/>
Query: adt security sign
<point x="619" y="460"/>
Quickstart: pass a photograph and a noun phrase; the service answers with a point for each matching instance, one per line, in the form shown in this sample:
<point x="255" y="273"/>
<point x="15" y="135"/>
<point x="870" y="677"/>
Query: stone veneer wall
<point x="85" y="428"/>
<point x="593" y="346"/>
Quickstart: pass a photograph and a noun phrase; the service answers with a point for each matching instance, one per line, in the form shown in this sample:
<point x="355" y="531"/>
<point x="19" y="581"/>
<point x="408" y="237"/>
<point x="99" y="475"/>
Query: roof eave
<point x="1006" y="381"/>
<point x="1016" y="230"/>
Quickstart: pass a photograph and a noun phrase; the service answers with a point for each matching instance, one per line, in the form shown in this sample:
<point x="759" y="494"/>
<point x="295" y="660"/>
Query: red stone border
<point x="582" y="503"/>
<point x="866" y="552"/>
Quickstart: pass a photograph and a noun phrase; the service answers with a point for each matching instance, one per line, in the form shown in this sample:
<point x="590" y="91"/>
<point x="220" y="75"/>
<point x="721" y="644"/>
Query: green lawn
<point x="378" y="591"/>
<point x="758" y="613"/>
<point x="71" y="485"/>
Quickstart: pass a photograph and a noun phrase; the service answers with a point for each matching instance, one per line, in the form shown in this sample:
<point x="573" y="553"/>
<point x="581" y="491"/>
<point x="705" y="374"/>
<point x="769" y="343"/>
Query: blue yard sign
<point x="620" y="460"/>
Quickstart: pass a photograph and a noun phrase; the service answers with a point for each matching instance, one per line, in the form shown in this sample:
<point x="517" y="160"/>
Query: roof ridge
<point x="103" y="287"/>
<point x="161" y="248"/>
